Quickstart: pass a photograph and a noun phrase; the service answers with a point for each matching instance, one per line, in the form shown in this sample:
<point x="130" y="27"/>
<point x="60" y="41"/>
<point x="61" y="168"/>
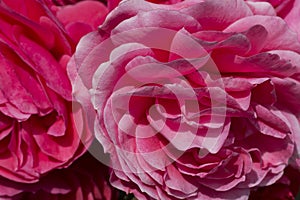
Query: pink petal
<point x="292" y="18"/>
<point x="217" y="15"/>
<point x="261" y="8"/>
<point x="174" y="180"/>
<point x="279" y="34"/>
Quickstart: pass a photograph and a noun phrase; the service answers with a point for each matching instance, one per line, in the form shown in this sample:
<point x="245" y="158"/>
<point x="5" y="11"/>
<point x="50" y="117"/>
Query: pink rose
<point x="86" y="178"/>
<point x="39" y="129"/>
<point x="195" y="100"/>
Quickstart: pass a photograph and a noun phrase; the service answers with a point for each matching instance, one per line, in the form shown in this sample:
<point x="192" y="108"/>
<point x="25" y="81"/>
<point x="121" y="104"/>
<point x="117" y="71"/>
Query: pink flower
<point x="86" y="178"/>
<point x="40" y="130"/>
<point x="195" y="100"/>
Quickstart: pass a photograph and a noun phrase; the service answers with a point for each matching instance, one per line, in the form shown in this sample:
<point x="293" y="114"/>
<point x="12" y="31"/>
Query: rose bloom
<point x="195" y="100"/>
<point x="40" y="130"/>
<point x="86" y="178"/>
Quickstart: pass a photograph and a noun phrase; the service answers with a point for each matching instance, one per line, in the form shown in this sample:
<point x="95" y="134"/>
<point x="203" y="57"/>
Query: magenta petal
<point x="77" y="30"/>
<point x="58" y="128"/>
<point x="48" y="67"/>
<point x="13" y="89"/>
<point x="91" y="13"/>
